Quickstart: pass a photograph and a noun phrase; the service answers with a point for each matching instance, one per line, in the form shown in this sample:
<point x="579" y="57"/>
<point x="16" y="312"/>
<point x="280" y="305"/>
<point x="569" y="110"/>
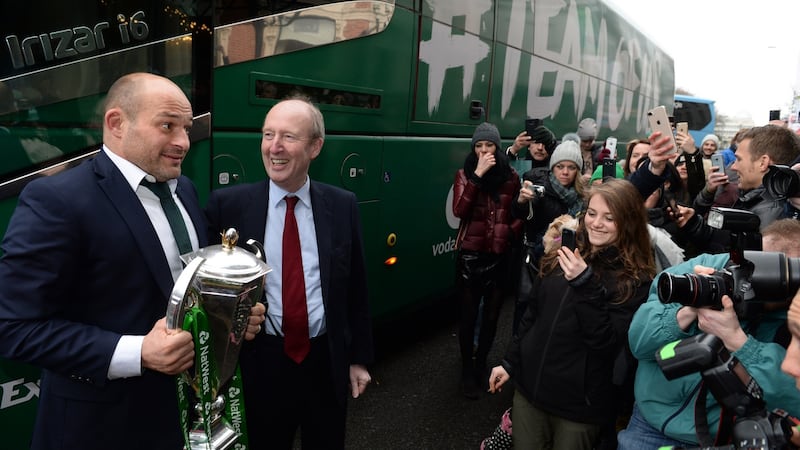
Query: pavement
<point x="414" y="401"/>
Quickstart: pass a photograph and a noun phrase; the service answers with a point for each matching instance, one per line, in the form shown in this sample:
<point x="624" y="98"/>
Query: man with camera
<point x="666" y="412"/>
<point x="759" y="149"/>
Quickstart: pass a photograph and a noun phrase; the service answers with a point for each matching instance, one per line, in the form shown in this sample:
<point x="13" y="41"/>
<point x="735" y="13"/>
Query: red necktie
<point x="295" y="314"/>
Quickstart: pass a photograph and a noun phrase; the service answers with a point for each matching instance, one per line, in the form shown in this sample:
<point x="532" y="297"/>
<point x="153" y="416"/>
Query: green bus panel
<point x="416" y="207"/>
<point x="419" y="83"/>
<point x="372" y="65"/>
<point x="19" y="395"/>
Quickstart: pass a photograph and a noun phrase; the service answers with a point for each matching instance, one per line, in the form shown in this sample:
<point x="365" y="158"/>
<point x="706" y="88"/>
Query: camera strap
<point x="726" y="418"/>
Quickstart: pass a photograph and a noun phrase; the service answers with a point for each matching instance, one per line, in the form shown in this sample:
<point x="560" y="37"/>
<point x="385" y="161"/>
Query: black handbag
<point x="476" y="264"/>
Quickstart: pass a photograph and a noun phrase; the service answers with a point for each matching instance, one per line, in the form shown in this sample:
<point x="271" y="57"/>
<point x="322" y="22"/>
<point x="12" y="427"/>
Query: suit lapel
<point x="126" y="202"/>
<point x="193" y="209"/>
<point x="254" y="212"/>
<point x="324" y="224"/>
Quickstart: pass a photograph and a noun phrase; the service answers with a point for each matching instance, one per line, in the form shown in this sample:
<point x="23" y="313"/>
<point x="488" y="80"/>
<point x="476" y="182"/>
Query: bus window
<point x="699" y="113"/>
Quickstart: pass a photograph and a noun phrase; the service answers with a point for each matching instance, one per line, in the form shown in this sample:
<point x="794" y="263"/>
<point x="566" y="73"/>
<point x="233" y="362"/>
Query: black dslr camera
<point x="782" y="182"/>
<point x="750" y="279"/>
<point x="734" y="389"/>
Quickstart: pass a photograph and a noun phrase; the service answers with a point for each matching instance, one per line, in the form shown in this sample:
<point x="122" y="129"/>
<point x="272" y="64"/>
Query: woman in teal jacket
<point x="665" y="410"/>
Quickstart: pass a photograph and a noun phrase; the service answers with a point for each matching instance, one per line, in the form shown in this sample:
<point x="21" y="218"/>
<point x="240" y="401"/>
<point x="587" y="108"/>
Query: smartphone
<point x="682" y="127"/>
<point x="718" y="161"/>
<point x="609" y="168"/>
<point x="659" y="121"/>
<point x="532" y="124"/>
<point x="611" y="145"/>
<point x="675" y="213"/>
<point x="568" y="238"/>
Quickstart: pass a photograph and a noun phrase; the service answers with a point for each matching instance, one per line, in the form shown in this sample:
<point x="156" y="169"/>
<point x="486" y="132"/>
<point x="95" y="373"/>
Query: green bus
<point x="401" y="83"/>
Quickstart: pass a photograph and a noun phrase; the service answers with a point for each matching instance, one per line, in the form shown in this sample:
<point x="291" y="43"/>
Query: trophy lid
<point x="229" y="262"/>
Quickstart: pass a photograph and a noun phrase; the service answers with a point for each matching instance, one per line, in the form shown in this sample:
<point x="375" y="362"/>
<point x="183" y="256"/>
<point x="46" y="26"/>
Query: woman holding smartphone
<point x="576" y="325"/>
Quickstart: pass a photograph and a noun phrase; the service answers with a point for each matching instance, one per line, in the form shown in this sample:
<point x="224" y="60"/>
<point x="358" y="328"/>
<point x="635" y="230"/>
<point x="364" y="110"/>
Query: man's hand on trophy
<point x="167" y="351"/>
<point x="257" y="317"/>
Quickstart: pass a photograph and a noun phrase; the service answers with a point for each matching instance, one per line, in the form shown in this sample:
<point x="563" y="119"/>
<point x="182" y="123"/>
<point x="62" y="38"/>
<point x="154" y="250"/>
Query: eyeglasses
<point x="680" y="162"/>
<point x="289" y="138"/>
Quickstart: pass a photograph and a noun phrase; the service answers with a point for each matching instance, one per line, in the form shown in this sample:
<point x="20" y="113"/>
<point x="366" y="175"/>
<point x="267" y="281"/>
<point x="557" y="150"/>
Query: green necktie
<point x="173" y="214"/>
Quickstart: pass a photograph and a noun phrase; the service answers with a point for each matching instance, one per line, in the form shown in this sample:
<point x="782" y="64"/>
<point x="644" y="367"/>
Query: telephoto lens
<point x="782" y="182"/>
<point x="694" y="290"/>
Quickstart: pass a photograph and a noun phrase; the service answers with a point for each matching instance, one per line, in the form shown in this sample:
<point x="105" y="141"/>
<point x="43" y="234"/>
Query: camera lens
<point x="692" y="290"/>
<point x="781" y="181"/>
<point x="776" y="277"/>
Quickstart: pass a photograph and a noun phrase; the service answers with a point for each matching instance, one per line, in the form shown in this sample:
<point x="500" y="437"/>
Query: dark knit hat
<point x="546" y="137"/>
<point x="587" y="129"/>
<point x="486" y="132"/>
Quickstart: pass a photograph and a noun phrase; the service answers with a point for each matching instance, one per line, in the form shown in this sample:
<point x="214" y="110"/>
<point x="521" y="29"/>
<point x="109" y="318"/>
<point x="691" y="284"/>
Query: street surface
<point x="414" y="401"/>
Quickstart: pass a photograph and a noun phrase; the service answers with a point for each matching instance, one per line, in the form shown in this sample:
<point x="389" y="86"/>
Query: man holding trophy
<point x="89" y="262"/>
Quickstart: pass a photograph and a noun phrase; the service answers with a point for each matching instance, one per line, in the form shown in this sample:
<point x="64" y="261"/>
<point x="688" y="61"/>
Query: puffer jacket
<point x="490" y="226"/>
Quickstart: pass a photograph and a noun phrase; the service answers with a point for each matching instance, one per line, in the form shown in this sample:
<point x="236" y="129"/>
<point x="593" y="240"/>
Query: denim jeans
<point x="640" y="435"/>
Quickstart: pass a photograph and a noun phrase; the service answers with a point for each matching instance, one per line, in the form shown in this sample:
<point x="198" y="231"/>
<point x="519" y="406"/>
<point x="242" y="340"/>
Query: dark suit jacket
<point x="341" y="261"/>
<point x="83" y="265"/>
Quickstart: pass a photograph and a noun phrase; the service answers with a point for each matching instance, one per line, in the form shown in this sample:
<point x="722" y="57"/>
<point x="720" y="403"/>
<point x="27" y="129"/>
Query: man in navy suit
<point x="88" y="266"/>
<point x="284" y="392"/>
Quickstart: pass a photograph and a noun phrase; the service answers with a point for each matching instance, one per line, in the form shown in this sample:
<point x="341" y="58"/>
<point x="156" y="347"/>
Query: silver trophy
<point x="212" y="299"/>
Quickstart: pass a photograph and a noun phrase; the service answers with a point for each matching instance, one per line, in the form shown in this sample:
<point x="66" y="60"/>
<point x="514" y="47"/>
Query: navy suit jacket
<point x="341" y="261"/>
<point x="82" y="265"/>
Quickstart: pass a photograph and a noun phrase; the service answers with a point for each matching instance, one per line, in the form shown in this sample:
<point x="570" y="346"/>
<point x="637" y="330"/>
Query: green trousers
<point x="534" y="428"/>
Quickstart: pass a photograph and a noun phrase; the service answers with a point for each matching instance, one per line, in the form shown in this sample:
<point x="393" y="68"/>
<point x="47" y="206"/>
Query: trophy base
<point x="222" y="437"/>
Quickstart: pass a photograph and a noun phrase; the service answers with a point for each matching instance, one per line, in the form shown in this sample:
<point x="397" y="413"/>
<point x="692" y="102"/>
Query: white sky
<point x="742" y="53"/>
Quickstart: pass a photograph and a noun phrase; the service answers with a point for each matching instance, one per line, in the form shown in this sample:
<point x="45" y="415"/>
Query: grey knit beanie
<point x="486" y="132"/>
<point x="567" y="151"/>
<point x="711" y="137"/>
<point x="587" y="129"/>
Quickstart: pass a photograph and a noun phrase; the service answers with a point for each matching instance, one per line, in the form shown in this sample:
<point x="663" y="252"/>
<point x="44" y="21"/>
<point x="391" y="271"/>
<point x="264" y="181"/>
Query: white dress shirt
<point x="127" y="358"/>
<point x="273" y="249"/>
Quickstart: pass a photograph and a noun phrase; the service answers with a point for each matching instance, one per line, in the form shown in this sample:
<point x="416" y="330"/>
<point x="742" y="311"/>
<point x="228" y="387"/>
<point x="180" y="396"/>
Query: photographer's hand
<point x="526" y="193"/>
<point x="686" y="317"/>
<point x="723" y="324"/>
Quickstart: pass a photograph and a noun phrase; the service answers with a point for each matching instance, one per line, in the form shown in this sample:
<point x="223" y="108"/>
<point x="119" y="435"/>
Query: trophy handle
<point x="176" y="309"/>
<point x="257" y="248"/>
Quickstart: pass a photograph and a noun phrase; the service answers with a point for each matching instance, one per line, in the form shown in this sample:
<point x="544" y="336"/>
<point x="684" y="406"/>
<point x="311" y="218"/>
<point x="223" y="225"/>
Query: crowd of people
<point x="589" y="319"/>
<point x="91" y="255"/>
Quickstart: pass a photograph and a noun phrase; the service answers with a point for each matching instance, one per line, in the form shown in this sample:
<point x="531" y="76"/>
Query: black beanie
<point x="486" y="132"/>
<point x="546" y="137"/>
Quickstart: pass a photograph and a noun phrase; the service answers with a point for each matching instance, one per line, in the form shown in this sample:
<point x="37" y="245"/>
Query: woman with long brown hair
<point x="576" y="324"/>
